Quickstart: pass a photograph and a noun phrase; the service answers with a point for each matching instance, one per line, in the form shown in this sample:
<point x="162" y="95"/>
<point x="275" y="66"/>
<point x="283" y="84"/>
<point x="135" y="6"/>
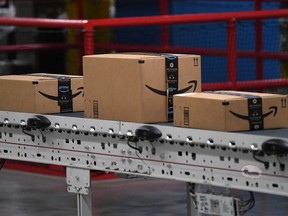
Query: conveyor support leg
<point x="79" y="182"/>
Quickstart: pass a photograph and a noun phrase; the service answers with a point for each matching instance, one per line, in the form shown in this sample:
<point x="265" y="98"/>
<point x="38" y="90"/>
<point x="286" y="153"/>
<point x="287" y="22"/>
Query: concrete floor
<point x="26" y="194"/>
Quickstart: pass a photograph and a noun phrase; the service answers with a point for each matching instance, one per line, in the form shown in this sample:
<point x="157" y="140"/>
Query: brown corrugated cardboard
<point x="41" y="93"/>
<point x="230" y="110"/>
<point x="133" y="87"/>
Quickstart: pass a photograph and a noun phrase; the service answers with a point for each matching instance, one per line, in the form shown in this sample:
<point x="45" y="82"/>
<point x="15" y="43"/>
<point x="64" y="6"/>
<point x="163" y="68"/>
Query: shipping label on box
<point x="231" y="111"/>
<point x="137" y="87"/>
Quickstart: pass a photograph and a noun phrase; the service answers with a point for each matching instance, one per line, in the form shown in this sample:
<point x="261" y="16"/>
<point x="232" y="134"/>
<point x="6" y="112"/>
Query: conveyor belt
<point x="227" y="159"/>
<point x="281" y="132"/>
<point x="233" y="160"/>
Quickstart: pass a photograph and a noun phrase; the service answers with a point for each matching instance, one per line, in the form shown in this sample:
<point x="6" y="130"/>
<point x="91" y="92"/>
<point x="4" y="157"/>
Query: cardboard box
<point x="230" y="110"/>
<point x="41" y="93"/>
<point x="133" y="87"/>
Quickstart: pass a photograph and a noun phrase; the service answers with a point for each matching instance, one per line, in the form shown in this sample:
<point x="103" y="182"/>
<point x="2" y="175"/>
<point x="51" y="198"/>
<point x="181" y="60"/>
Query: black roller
<point x="148" y="132"/>
<point x="38" y="122"/>
<point x="275" y="147"/>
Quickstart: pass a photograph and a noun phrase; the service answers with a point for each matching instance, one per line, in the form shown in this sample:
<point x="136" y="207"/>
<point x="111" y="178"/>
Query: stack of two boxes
<point x="154" y="88"/>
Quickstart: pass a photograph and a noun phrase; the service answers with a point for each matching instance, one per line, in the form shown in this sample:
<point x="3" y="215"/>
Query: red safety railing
<point x="41" y="23"/>
<point x="230" y="52"/>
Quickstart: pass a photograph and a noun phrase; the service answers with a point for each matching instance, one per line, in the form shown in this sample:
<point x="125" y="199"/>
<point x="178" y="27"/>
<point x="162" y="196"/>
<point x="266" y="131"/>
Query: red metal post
<point x="164" y="7"/>
<point x="231" y="53"/>
<point x="258" y="42"/>
<point x="164" y="10"/>
<point x="80" y="14"/>
<point x="89" y="39"/>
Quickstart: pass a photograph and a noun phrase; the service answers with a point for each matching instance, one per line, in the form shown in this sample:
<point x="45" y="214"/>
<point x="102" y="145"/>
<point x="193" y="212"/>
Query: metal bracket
<point x="78" y="180"/>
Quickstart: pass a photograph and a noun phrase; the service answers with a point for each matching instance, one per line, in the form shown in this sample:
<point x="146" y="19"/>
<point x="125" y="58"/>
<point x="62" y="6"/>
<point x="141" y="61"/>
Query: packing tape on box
<point x="64" y="97"/>
<point x="172" y="77"/>
<point x="255" y="110"/>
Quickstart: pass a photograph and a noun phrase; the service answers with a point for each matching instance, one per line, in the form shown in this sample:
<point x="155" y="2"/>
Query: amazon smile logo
<point x="63" y="90"/>
<point x="273" y="110"/>
<point x="173" y="91"/>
